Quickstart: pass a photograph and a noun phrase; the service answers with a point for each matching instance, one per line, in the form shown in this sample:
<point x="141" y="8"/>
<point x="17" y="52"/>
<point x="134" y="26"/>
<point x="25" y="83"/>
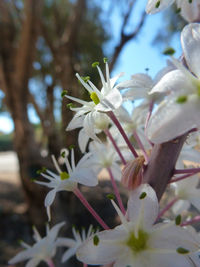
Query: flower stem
<point x="84" y="201"/>
<point x="85" y="265"/>
<point x="169" y="205"/>
<point x="192" y="171"/>
<point x="50" y="263"/>
<point x="118" y="125"/>
<point x="107" y="132"/>
<point x="117" y="194"/>
<point x="194" y="220"/>
<point x="181" y="178"/>
<point x="137" y="138"/>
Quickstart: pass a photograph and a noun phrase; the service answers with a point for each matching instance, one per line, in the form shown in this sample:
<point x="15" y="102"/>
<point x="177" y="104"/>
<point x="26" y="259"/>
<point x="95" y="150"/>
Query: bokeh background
<point x="43" y="43"/>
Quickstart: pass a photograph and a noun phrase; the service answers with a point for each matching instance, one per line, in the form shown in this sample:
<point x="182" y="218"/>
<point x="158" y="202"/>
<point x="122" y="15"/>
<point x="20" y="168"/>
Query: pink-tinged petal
<point x="50" y="198"/>
<point x="190" y="40"/>
<point x="109" y="247"/>
<point x="143" y="212"/>
<point x="151" y="5"/>
<point x="172" y="119"/>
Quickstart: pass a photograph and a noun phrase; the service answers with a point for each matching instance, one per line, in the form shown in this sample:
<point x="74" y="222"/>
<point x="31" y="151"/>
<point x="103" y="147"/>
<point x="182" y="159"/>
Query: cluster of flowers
<point x="169" y="107"/>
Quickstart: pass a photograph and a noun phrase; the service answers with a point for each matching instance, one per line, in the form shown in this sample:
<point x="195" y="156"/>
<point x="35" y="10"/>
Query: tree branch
<point x="126" y="37"/>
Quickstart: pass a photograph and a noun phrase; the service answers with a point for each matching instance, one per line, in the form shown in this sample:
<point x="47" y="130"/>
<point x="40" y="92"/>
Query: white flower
<point x="104" y="156"/>
<point x="43" y="249"/>
<point x="180" y="111"/>
<point x="189" y="9"/>
<point x="100" y="122"/>
<point x="67" y="181"/>
<point x="138" y="242"/>
<point x="188" y="193"/>
<point x="73" y="244"/>
<point x="104" y="100"/>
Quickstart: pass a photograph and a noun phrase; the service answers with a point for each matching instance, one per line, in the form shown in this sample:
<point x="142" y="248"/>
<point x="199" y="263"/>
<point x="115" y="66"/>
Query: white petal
<point x="88" y="125"/>
<point x="86" y="177"/>
<point x="54" y="231"/>
<point x="143" y="211"/>
<point x="107" y="250"/>
<point x="83" y="139"/>
<point x="21" y="256"/>
<point x="151" y="6"/>
<point x="50" y="198"/>
<point x="180" y="206"/>
<point x="76" y="122"/>
<point x="174" y="81"/>
<point x="172" y="119"/>
<point x="68" y="254"/>
<point x="190" y="40"/>
<point x="189" y="11"/>
<point x="65" y="242"/>
<point x="33" y="262"/>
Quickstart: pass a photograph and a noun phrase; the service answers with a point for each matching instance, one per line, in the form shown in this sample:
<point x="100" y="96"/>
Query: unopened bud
<point x="132" y="173"/>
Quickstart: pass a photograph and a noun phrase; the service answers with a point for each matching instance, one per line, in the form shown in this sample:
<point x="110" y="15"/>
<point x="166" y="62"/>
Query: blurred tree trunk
<point x="15" y="70"/>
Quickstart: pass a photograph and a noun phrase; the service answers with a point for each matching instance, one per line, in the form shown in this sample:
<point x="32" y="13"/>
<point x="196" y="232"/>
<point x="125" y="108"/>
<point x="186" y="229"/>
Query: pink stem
<point x="50" y="263"/>
<point x="117" y="194"/>
<point x="192" y="171"/>
<point x="194" y="220"/>
<point x="169" y="205"/>
<point x="118" y="125"/>
<point x="181" y="178"/>
<point x="80" y="196"/>
<point x="85" y="265"/>
<point x="107" y="132"/>
<point x="137" y="138"/>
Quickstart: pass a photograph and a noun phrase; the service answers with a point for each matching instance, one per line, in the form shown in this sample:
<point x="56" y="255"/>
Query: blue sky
<point x="137" y="55"/>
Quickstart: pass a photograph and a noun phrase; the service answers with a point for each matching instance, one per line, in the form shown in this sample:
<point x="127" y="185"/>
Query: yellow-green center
<point x="64" y="175"/>
<point x="94" y="98"/>
<point x="138" y="243"/>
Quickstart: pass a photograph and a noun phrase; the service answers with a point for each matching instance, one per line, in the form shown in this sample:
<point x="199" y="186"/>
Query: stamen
<point x="94" y="98"/>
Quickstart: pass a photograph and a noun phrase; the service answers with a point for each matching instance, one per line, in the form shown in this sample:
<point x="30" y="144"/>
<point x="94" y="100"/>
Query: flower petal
<point x="151" y="5"/>
<point x="190" y="40"/>
<point x="172" y="119"/>
<point x="143" y="211"/>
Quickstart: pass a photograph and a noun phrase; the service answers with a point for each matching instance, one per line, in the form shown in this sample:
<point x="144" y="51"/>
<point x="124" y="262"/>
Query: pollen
<point x="64" y="175"/>
<point x="138" y="243"/>
<point x="94" y="98"/>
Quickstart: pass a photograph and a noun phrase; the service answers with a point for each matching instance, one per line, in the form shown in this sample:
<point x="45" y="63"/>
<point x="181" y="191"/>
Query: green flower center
<point x="94" y="98"/>
<point x="64" y="175"/>
<point x="139" y="243"/>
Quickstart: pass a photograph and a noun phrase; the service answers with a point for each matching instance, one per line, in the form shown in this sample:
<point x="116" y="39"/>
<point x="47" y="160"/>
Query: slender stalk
<point x="181" y="178"/>
<point x="192" y="171"/>
<point x="84" y="201"/>
<point x="50" y="263"/>
<point x="192" y="221"/>
<point x="116" y="191"/>
<point x="118" y="125"/>
<point x="137" y="138"/>
<point x="85" y="265"/>
<point x="107" y="132"/>
<point x="169" y="205"/>
<point x="149" y="114"/>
